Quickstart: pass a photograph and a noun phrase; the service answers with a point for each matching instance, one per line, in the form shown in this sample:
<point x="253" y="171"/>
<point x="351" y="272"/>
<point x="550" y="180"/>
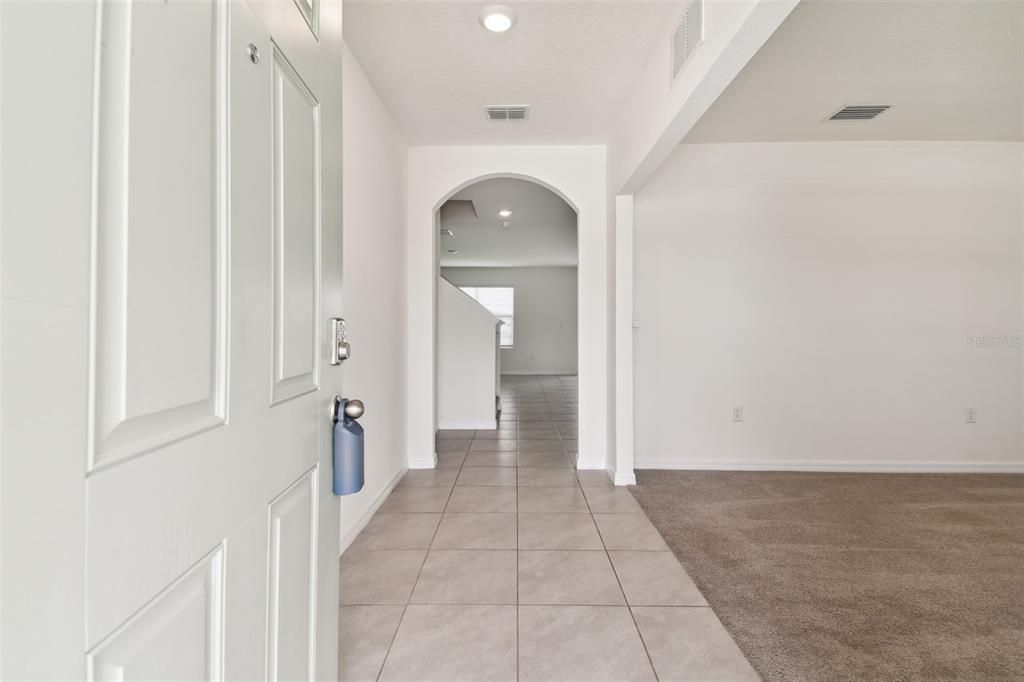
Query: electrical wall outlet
<point x="737" y="414"/>
<point x="971" y="415"/>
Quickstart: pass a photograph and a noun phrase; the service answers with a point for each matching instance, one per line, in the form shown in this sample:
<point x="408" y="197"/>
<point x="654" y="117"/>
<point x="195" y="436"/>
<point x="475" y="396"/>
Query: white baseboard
<point x="368" y="514"/>
<point x="488" y="425"/>
<point x="624" y="477"/>
<point x="545" y="372"/>
<point x="424" y="462"/>
<point x="615" y="478"/>
<point x="589" y="465"/>
<point x="851" y="466"/>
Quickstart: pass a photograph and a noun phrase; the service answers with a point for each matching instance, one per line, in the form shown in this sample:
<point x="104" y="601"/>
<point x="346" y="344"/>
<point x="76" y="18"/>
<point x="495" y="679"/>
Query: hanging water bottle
<point x="348" y="446"/>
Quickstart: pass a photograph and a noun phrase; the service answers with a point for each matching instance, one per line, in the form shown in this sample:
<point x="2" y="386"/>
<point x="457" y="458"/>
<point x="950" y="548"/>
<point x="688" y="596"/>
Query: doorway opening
<point x="506" y="320"/>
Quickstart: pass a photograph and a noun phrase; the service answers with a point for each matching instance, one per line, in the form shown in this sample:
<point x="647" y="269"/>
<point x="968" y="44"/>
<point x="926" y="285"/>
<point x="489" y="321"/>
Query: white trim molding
<point x="368" y="514"/>
<point x="589" y="463"/>
<point x="623" y="478"/>
<point x="578" y="175"/>
<point x="624" y="315"/>
<point x="429" y="462"/>
<point x="849" y="466"/>
<point x="467" y="426"/>
<point x="545" y="372"/>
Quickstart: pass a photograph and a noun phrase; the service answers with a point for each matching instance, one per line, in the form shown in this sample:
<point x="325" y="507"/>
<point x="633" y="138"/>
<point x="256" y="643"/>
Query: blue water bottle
<point x="348" y="446"/>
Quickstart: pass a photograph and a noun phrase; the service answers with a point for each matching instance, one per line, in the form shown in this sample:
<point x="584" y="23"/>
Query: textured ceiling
<point x="951" y="70"/>
<point x="436" y="68"/>
<point x="543" y="228"/>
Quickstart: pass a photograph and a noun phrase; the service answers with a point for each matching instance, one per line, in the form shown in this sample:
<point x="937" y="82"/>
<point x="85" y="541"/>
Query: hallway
<point x="505" y="563"/>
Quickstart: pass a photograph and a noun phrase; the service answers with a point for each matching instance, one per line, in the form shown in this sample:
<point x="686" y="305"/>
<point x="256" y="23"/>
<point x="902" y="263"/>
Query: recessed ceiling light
<point x="447" y="232"/>
<point x="497" y="18"/>
<point x="453" y="250"/>
<point x="504" y="213"/>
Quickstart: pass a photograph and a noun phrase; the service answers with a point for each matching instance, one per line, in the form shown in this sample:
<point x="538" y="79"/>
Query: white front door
<point x="205" y="542"/>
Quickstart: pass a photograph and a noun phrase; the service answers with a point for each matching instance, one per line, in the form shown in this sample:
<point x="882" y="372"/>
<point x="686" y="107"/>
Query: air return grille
<point x="688" y="35"/>
<point x="861" y="112"/>
<point x="518" y="112"/>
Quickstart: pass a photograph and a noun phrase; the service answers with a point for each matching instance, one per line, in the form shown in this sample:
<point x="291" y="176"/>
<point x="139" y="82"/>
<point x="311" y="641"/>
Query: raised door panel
<point x="160" y="307"/>
<point x="310" y="10"/>
<point x="296" y="234"/>
<point x="177" y="636"/>
<point x="292" y="582"/>
<point x="159" y="301"/>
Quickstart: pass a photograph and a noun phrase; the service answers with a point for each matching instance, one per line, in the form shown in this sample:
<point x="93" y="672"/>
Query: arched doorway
<point x="507" y="251"/>
<point x="576" y="175"/>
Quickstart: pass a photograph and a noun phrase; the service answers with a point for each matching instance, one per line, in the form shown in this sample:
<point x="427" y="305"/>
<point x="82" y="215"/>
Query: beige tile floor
<point x="505" y="563"/>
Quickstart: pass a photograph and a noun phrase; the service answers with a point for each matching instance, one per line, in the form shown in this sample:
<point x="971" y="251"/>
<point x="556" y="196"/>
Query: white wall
<point x="374" y="287"/>
<point x="659" y="110"/>
<point x="577" y="174"/>
<point x="466" y="358"/>
<point x="830" y="289"/>
<point x="656" y="115"/>
<point x="544" y="331"/>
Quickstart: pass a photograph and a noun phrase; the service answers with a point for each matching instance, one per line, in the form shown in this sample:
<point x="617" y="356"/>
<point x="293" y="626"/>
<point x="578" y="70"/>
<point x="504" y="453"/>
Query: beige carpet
<point x="854" y="576"/>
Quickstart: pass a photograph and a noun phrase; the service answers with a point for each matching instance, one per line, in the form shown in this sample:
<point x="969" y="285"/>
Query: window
<point x="499" y="300"/>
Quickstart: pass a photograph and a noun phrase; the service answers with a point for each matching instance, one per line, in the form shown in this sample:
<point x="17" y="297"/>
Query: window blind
<point x="501" y="302"/>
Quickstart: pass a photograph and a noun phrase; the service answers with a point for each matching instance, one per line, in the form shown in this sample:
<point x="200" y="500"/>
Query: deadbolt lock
<point x="340" y="348"/>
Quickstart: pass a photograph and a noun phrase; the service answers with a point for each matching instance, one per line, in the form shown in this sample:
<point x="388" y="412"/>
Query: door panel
<point x="296" y="232"/>
<point x="161" y="226"/>
<point x="182" y="277"/>
<point x="177" y="636"/>
<point x="149" y="518"/>
<point x="292" y="582"/>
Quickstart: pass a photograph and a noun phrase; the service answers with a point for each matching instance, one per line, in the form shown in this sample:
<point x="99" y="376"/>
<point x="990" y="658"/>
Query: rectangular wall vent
<point x="688" y="35"/>
<point x="861" y="112"/>
<point x="517" y="112"/>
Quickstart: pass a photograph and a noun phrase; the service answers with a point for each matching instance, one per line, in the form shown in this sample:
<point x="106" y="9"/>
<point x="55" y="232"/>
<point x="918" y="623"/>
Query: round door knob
<point x="354" y="409"/>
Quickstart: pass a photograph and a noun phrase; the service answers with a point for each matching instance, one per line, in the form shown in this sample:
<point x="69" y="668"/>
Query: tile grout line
<point x="516" y="521"/>
<point x="408" y="599"/>
<point x="510" y="549"/>
<point x="629" y="608"/>
<point x="693" y="607"/>
<point x="547" y="422"/>
<point x="517" y="541"/>
<point x="539" y="603"/>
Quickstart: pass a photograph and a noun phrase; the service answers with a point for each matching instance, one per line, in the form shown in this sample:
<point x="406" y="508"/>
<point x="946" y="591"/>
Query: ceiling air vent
<point x="860" y="112"/>
<point x="688" y="35"/>
<point x="518" y="112"/>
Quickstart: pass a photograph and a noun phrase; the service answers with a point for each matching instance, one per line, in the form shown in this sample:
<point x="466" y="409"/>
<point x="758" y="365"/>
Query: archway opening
<point x="506" y="259"/>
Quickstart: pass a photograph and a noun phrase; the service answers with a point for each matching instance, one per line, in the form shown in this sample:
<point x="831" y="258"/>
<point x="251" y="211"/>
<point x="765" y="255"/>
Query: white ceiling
<point x="543" y="228"/>
<point x="436" y="68"/>
<point x="951" y="71"/>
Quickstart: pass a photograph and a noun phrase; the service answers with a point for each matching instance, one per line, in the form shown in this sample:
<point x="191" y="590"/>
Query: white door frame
<point x="577" y="174"/>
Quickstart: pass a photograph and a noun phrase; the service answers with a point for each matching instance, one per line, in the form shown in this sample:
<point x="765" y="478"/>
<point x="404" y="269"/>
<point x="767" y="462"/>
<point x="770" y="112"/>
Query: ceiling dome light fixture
<point x="497" y="18"/>
<point x="505" y="213"/>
